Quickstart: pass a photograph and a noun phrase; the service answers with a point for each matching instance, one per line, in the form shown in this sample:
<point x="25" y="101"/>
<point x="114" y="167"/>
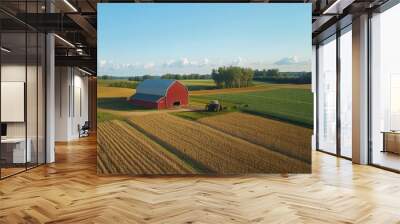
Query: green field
<point x="104" y="116"/>
<point x="291" y="105"/>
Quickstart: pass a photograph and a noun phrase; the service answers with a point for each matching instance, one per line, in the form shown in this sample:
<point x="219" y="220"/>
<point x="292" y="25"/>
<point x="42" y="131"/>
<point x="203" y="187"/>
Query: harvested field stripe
<point x="100" y="161"/>
<point x="121" y="156"/>
<point x="143" y="161"/>
<point x="147" y="157"/>
<point x="195" y="164"/>
<point x="221" y="152"/>
<point x="131" y="164"/>
<point x="189" y="141"/>
<point x="127" y="151"/>
<point x="288" y="139"/>
<point x="169" y="157"/>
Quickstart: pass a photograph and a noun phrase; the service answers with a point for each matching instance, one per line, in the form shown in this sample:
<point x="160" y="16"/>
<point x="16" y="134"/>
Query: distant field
<point x="282" y="137"/>
<point x="191" y="84"/>
<point x="125" y="88"/>
<point x="112" y="92"/>
<point x="198" y="84"/>
<point x="124" y="150"/>
<point x="213" y="151"/>
<point x="111" y="82"/>
<point x="290" y="105"/>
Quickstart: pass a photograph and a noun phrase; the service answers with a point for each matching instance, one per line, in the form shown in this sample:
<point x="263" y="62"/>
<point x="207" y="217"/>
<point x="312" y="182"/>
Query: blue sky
<point x="138" y="39"/>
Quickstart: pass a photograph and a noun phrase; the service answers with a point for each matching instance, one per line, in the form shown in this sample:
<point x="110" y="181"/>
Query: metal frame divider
<point x="317" y="97"/>
<point x="0" y="94"/>
<point x="338" y="76"/>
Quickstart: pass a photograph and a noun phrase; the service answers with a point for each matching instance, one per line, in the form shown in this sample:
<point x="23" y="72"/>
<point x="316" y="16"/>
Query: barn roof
<point x="156" y="87"/>
<point x="146" y="97"/>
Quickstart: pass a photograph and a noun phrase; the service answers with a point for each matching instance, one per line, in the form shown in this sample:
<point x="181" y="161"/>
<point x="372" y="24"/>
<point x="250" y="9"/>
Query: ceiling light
<point x="70" y="5"/>
<point x="5" y="50"/>
<point x="86" y="72"/>
<point x="64" y="40"/>
<point x="338" y="6"/>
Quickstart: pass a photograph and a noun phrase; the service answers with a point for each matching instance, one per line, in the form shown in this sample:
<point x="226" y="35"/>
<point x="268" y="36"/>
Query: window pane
<point x="327" y="96"/>
<point x="385" y="93"/>
<point x="346" y="94"/>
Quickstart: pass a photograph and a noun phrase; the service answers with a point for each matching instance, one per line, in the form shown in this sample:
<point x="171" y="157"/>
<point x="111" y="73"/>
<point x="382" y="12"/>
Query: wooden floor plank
<point x="70" y="191"/>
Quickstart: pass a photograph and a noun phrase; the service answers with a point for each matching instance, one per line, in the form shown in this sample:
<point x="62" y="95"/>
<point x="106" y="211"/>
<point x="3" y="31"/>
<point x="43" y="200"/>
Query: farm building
<point x="160" y="94"/>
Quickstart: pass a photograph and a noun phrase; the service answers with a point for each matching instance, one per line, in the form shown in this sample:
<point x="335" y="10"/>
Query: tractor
<point x="213" y="106"/>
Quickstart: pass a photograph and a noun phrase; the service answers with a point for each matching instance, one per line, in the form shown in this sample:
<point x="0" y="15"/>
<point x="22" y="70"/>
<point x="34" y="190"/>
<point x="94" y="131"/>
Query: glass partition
<point x="346" y="93"/>
<point x="13" y="114"/>
<point x="22" y="77"/>
<point x="385" y="89"/>
<point x="327" y="95"/>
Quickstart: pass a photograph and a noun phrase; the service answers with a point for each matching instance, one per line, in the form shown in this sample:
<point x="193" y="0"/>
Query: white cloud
<point x="102" y="63"/>
<point x="185" y="62"/>
<point x="204" y="65"/>
<point x="205" y="61"/>
<point x="238" y="61"/>
<point x="149" y="65"/>
<point x="288" y="61"/>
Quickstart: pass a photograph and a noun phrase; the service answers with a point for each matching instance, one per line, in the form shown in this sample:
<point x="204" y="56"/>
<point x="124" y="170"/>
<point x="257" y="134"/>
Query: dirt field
<point x="214" y="151"/>
<point x="291" y="140"/>
<point x="124" y="150"/>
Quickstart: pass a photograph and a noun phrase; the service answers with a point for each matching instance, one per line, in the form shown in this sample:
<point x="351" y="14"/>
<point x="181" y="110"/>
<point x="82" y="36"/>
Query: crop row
<point x="220" y="152"/>
<point x="291" y="140"/>
<point x="124" y="150"/>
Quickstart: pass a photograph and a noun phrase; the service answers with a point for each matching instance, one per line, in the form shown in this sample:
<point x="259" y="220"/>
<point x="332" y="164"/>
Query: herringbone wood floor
<point x="69" y="191"/>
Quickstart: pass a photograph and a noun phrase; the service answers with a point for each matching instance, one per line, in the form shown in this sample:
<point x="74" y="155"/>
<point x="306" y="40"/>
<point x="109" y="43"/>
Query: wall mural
<point x="204" y="89"/>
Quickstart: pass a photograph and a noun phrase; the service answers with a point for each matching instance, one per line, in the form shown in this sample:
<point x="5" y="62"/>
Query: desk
<point x="391" y="141"/>
<point x="13" y="150"/>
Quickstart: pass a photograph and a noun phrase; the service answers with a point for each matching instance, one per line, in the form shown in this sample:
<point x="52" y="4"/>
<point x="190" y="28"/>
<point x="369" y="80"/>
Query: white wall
<point x="12" y="73"/>
<point x="71" y="93"/>
<point x="62" y="81"/>
<point x="33" y="126"/>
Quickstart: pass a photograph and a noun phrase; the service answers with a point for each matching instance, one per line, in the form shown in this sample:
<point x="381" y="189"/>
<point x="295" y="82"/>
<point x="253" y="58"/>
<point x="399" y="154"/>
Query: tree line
<point x="184" y="76"/>
<point x="274" y="76"/>
<point x="232" y="77"/>
<point x="166" y="76"/>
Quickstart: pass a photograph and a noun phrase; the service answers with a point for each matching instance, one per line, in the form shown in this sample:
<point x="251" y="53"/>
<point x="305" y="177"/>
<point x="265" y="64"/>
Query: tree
<point x="232" y="76"/>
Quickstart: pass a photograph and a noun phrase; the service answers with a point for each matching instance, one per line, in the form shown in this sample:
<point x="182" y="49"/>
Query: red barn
<point x="160" y="94"/>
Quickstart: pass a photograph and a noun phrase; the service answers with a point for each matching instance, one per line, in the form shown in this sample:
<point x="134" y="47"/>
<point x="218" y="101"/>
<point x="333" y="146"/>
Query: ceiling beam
<point x="78" y="61"/>
<point x="84" y="24"/>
